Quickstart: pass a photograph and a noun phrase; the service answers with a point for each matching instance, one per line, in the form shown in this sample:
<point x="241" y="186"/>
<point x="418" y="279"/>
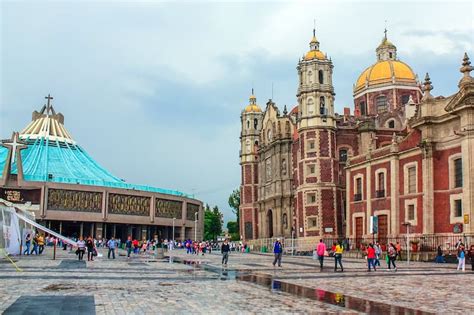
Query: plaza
<point x="182" y="283"/>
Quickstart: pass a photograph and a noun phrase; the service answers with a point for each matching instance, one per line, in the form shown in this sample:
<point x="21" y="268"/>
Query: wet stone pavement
<point x="249" y="284"/>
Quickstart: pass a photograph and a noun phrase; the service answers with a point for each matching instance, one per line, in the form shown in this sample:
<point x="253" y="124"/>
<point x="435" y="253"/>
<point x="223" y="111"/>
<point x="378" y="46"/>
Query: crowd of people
<point x="34" y="243"/>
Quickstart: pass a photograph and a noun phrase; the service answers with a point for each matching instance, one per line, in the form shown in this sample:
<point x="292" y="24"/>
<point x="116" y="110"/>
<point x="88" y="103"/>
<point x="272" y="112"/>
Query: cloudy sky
<point x="154" y="90"/>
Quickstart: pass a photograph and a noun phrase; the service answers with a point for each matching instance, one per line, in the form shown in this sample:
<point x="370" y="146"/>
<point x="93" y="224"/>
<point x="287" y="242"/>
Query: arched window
<point x="248" y="124"/>
<point x="322" y="106"/>
<point x="363" y="108"/>
<point x="381" y="103"/>
<point x="310" y="107"/>
<point x="342" y="155"/>
<point x="321" y="76"/>
<point x="391" y="124"/>
<point x="255" y="123"/>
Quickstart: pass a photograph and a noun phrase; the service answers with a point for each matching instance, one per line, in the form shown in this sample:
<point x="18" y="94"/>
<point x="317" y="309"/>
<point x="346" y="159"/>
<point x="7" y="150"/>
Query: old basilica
<point x="403" y="155"/>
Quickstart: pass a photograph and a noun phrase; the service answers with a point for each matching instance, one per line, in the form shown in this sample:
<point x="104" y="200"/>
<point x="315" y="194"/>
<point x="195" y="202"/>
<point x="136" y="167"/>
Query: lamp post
<point x="195" y="226"/>
<point x="408" y="224"/>
<point x="172" y="245"/>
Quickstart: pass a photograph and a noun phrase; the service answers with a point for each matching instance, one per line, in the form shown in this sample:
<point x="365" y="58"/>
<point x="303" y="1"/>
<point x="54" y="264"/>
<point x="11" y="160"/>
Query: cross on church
<point x="14" y="144"/>
<point x="48" y="106"/>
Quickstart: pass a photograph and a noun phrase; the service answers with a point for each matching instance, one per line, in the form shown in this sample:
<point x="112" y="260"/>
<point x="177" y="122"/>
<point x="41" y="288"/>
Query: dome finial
<point x="427" y="87"/>
<point x="314" y="44"/>
<point x="466" y="70"/>
<point x="385" y="31"/>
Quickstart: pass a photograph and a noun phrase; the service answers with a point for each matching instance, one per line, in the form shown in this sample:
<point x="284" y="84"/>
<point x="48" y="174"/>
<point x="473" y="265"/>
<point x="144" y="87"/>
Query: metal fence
<point x="415" y="243"/>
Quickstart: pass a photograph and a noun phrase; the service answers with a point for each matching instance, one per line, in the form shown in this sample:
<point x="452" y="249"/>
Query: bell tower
<point x="317" y="191"/>
<point x="251" y="125"/>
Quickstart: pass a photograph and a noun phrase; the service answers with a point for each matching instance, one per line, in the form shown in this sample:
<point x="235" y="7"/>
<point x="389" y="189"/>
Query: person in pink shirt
<point x="321" y="250"/>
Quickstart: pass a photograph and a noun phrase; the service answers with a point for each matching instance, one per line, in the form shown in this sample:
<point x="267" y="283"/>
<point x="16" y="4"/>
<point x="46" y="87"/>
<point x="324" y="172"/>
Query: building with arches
<point x="312" y="172"/>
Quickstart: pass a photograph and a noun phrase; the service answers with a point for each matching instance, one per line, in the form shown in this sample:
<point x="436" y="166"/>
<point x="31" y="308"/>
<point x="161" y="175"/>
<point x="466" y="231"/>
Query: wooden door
<point x="359" y="230"/>
<point x="383" y="229"/>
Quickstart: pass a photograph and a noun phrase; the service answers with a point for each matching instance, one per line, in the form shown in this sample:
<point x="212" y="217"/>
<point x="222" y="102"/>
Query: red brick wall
<point x="323" y="143"/>
<point x="312" y="210"/>
<point x="248" y="194"/>
<point x="327" y="204"/>
<point x="326" y="170"/>
<point x="419" y="197"/>
<point x="412" y="140"/>
<point x="441" y="165"/>
<point x="248" y="174"/>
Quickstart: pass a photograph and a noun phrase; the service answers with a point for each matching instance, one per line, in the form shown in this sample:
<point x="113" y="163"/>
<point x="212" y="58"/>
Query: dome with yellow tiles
<point x="252" y="106"/>
<point x="385" y="71"/>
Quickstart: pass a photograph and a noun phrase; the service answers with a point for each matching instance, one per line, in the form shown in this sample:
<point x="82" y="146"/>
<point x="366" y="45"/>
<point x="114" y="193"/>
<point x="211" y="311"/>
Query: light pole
<point x="172" y="245"/>
<point x="195" y="226"/>
<point x="408" y="224"/>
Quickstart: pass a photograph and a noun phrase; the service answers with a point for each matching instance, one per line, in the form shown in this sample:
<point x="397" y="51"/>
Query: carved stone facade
<point x="129" y="205"/>
<point x="191" y="209"/>
<point x="73" y="200"/>
<point x="168" y="208"/>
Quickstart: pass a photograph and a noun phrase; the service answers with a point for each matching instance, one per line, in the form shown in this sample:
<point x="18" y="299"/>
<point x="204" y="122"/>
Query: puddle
<point x="275" y="285"/>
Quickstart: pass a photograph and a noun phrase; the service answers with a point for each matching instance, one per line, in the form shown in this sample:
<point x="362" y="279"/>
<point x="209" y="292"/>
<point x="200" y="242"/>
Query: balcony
<point x="380" y="193"/>
<point x="357" y="197"/>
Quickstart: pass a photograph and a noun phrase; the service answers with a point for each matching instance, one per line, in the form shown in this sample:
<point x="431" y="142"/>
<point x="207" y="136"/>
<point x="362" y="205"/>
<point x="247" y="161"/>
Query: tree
<point x="233" y="230"/>
<point x="234" y="203"/>
<point x="212" y="223"/>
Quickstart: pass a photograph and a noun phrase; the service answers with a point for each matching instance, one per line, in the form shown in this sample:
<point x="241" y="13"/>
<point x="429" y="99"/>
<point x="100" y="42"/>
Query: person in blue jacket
<point x="277" y="250"/>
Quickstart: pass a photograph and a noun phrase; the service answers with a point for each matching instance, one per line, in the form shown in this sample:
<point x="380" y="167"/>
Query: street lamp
<point x="195" y="226"/>
<point x="408" y="224"/>
<point x="172" y="246"/>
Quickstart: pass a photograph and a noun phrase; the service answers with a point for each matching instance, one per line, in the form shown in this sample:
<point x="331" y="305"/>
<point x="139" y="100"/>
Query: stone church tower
<point x="251" y="125"/>
<point x="316" y="190"/>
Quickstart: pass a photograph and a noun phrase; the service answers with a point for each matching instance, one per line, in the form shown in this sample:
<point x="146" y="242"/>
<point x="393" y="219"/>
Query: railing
<point x="380" y="193"/>
<point x="417" y="243"/>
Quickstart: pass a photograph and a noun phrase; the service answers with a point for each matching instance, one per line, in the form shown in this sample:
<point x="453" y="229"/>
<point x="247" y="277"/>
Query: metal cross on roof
<point x="14" y="144"/>
<point x="48" y="106"/>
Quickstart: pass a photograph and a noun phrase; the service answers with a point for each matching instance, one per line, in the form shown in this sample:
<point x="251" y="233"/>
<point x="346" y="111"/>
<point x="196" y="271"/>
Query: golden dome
<point x="252" y="108"/>
<point x="384" y="72"/>
<point x="314" y="54"/>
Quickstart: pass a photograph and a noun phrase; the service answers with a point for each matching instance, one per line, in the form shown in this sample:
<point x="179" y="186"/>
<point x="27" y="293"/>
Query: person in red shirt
<point x="371" y="257"/>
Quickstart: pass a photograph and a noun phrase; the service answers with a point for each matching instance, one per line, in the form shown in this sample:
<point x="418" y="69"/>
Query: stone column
<point x="428" y="187"/>
<point x="368" y="196"/>
<point x="394" y="195"/>
<point x="81" y="229"/>
<point x="467" y="149"/>
<point x="181" y="223"/>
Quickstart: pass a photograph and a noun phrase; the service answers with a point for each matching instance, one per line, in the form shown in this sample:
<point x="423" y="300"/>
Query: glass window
<point x="359" y="186"/>
<point x="362" y="108"/>
<point x="458" y="173"/>
<point x="311" y="198"/>
<point x="391" y="124"/>
<point x="248" y="124"/>
<point x="381" y="103"/>
<point x="342" y="155"/>
<point x="311" y="145"/>
<point x="411" y="212"/>
<point x="255" y="123"/>
<point x="381" y="180"/>
<point x="412" y="180"/>
<point x="311" y="169"/>
<point x="458" y="208"/>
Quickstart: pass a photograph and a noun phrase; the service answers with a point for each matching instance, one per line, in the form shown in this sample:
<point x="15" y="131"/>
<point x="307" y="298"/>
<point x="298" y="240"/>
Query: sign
<point x="328" y="230"/>
<point x="374" y="224"/>
<point x="466" y="219"/>
<point x="457" y="228"/>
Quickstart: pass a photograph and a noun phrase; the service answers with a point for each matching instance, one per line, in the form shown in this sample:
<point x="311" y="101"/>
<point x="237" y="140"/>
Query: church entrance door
<point x="270" y="223"/>
<point x="358" y="231"/>
<point x="383" y="229"/>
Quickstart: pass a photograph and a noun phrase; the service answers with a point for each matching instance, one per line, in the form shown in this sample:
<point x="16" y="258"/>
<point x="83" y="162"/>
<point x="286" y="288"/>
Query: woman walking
<point x="371" y="257"/>
<point x="90" y="248"/>
<point x="338" y="256"/>
<point x="392" y="255"/>
<point x="81" y="248"/>
<point x="461" y="257"/>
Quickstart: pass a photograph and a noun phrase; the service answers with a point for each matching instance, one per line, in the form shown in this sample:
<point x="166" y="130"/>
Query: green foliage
<point x="232" y="227"/>
<point x="212" y="223"/>
<point x="234" y="203"/>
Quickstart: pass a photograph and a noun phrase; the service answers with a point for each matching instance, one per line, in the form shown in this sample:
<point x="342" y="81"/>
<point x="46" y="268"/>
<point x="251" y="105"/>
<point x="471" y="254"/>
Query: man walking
<point x="111" y="244"/>
<point x="277" y="250"/>
<point x="320" y="250"/>
<point x="128" y="246"/>
<point x="225" y="249"/>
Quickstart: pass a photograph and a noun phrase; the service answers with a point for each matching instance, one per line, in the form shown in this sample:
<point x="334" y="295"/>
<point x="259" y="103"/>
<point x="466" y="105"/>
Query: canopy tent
<point x="13" y="221"/>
